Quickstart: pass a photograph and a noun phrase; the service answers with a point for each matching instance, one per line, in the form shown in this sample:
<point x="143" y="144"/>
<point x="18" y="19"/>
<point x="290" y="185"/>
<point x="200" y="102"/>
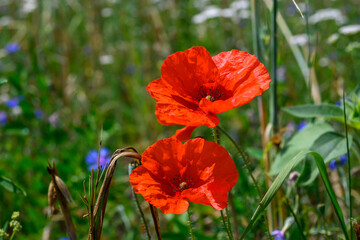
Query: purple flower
<point x="12" y="103"/>
<point x="343" y="159"/>
<point x="302" y="125"/>
<point x="3" y="118"/>
<point x="12" y="48"/>
<point x="92" y="158"/>
<point x="332" y="165"/>
<point x="38" y="114"/>
<point x="278" y="235"/>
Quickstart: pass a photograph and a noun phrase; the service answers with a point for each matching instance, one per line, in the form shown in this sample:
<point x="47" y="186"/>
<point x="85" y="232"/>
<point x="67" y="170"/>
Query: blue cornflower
<point x="278" y="235"/>
<point x="332" y="165"/>
<point x="302" y="125"/>
<point x="92" y="158"/>
<point x="3" y="118"/>
<point x="12" y="103"/>
<point x="38" y="114"/>
<point x="64" y="238"/>
<point x="12" y="48"/>
<point x="343" y="159"/>
<point x="338" y="103"/>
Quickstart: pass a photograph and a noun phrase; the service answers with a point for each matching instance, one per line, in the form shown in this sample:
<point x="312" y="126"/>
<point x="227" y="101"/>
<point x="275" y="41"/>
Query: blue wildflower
<point x="12" y="103"/>
<point x="12" y="48"/>
<point x="38" y="114"/>
<point x="64" y="238"/>
<point x="343" y="159"/>
<point x="3" y="118"/>
<point x="92" y="158"/>
<point x="338" y="103"/>
<point x="332" y="165"/>
<point x="302" y="125"/>
<point x="278" y="235"/>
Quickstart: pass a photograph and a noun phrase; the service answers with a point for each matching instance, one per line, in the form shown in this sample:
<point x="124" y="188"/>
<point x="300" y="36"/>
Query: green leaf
<point x="302" y="140"/>
<point x="320" y="110"/>
<point x="270" y="194"/>
<point x="329" y="145"/>
<point x="322" y="169"/>
<point x="10" y="186"/>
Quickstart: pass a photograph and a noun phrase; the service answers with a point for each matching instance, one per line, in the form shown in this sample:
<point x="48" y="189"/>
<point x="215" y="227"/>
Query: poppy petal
<point x="242" y="74"/>
<point x="173" y="109"/>
<point x="184" y="134"/>
<point x="186" y="71"/>
<point x="155" y="192"/>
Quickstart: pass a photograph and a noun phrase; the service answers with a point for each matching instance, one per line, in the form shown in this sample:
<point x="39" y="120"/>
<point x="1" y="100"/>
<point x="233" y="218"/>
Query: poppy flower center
<point x="180" y="183"/>
<point x="211" y="93"/>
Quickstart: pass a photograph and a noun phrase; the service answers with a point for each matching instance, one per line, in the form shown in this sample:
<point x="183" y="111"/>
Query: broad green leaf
<point x="320" y="110"/>
<point x="302" y="140"/>
<point x="279" y="180"/>
<point x="329" y="145"/>
<point x="10" y="186"/>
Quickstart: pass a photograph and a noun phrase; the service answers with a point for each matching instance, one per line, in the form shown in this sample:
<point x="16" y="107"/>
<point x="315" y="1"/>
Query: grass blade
<point x="322" y="169"/>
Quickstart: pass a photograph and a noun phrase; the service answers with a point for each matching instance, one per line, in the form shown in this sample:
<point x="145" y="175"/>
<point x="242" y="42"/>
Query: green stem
<point x="228" y="221"/>
<point x="243" y="156"/>
<point x="274" y="66"/>
<point x="142" y="214"/>
<point x="190" y="224"/>
<point x="226" y="226"/>
<point x="287" y="202"/>
<point x="349" y="165"/>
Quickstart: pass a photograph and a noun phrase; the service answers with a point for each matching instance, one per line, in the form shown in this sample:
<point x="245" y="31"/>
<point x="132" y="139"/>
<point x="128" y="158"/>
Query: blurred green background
<point x="76" y="66"/>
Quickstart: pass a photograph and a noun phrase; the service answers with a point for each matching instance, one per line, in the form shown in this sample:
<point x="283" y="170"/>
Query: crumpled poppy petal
<point x="173" y="173"/>
<point x="184" y="134"/>
<point x="242" y="74"/>
<point x="173" y="109"/>
<point x="186" y="71"/>
<point x="214" y="194"/>
<point x="155" y="191"/>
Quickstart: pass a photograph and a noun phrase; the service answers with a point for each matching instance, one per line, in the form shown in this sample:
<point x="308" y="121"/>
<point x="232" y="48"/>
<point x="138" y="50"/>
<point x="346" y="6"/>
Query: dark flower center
<point x="211" y="93"/>
<point x="180" y="183"/>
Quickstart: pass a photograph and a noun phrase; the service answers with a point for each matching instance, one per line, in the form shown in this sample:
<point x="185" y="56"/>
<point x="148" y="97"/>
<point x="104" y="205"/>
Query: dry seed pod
<point x="52" y="198"/>
<point x="63" y="189"/>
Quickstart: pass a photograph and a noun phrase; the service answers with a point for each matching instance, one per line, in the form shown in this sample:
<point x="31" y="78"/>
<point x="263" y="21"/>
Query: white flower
<point x="328" y="14"/>
<point x="28" y="6"/>
<point x="350" y="29"/>
<point x="106" y="12"/>
<point x="333" y="38"/>
<point x="106" y="59"/>
<point x="300" y="39"/>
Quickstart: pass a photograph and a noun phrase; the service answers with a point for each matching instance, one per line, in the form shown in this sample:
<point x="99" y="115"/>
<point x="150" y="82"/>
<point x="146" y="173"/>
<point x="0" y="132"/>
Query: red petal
<point x="186" y="71"/>
<point x="184" y="134"/>
<point x="243" y="75"/>
<point x="174" y="109"/>
<point x="212" y="170"/>
<point x="154" y="191"/>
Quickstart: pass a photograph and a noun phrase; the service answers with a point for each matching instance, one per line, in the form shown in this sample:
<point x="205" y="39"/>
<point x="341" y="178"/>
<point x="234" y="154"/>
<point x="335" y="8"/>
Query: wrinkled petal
<point x="209" y="161"/>
<point x="155" y="191"/>
<point x="184" y="134"/>
<point x="173" y="109"/>
<point x="214" y="194"/>
<point x="164" y="158"/>
<point x="186" y="71"/>
<point x="243" y="75"/>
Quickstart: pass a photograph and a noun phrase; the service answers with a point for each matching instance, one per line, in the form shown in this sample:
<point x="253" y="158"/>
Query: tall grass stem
<point x="190" y="224"/>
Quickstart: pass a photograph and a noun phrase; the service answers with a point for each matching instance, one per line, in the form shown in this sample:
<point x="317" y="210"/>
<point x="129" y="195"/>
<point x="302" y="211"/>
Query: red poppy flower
<point x="173" y="173"/>
<point x="194" y="87"/>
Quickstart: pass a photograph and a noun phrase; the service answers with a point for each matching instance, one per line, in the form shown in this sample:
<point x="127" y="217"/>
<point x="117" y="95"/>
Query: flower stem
<point x="243" y="156"/>
<point x="226" y="225"/>
<point x="190" y="224"/>
<point x="349" y="165"/>
<point x="142" y="214"/>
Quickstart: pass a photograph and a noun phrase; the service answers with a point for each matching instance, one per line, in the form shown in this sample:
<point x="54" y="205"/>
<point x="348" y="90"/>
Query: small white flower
<point x="106" y="12"/>
<point x="300" y="39"/>
<point x="328" y="14"/>
<point x="350" y="29"/>
<point x="333" y="38"/>
<point x="106" y="59"/>
<point x="28" y="6"/>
